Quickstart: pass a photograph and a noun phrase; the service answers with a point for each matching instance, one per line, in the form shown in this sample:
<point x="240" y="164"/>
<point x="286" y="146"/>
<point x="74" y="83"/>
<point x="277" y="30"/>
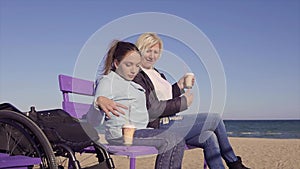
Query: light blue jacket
<point x="127" y="93"/>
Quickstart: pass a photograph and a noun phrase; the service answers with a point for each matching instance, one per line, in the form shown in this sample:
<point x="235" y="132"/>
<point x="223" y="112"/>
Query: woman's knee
<point x="215" y="119"/>
<point x="176" y="138"/>
<point x="215" y="116"/>
<point x="172" y="139"/>
<point x="211" y="142"/>
<point x="209" y="117"/>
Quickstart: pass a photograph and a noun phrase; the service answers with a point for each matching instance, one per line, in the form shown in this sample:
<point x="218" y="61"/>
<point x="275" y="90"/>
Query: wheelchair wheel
<point x="91" y="158"/>
<point x="19" y="135"/>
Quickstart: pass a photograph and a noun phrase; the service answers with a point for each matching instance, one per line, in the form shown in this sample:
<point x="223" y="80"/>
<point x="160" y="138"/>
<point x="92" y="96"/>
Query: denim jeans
<point x="170" y="146"/>
<point x="207" y="131"/>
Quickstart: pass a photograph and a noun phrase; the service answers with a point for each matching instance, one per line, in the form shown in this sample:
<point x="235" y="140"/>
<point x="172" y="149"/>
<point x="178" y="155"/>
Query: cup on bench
<point x="128" y="132"/>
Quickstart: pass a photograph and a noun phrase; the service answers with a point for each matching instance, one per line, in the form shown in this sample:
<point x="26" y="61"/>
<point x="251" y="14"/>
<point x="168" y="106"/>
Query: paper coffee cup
<point x="128" y="132"/>
<point x="188" y="80"/>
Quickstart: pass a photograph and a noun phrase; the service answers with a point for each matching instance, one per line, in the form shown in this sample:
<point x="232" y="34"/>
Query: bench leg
<point x="132" y="162"/>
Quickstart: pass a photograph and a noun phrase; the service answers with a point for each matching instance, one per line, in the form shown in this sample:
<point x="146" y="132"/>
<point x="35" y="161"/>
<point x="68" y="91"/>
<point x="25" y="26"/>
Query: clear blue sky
<point x="258" y="43"/>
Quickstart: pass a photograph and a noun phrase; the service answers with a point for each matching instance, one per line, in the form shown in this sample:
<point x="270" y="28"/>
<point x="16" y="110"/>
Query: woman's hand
<point x="181" y="84"/>
<point x="108" y="105"/>
<point x="189" y="97"/>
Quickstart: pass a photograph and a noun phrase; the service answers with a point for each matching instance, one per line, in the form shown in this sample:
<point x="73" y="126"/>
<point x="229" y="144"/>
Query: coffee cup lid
<point x="190" y="74"/>
<point x="128" y="126"/>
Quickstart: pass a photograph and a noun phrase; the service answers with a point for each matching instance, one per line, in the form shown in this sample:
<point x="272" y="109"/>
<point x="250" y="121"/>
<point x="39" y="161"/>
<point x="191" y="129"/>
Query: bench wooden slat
<point x="76" y="109"/>
<point x="75" y="85"/>
<point x="18" y="161"/>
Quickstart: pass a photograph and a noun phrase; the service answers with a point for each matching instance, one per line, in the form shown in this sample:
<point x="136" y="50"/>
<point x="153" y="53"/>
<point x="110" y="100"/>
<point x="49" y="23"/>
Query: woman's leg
<point x="214" y="128"/>
<point x="200" y="128"/>
<point x="191" y="128"/>
<point x="225" y="146"/>
<point x="206" y="130"/>
<point x="170" y="146"/>
<point x="211" y="149"/>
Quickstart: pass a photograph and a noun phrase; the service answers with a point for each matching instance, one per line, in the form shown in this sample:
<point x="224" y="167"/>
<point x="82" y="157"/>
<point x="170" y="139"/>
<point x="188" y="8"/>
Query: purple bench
<point x="17" y="161"/>
<point x="78" y="86"/>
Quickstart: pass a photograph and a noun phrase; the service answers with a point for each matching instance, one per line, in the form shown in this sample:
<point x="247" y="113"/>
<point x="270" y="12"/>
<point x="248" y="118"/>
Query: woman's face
<point x="129" y="67"/>
<point x="150" y="56"/>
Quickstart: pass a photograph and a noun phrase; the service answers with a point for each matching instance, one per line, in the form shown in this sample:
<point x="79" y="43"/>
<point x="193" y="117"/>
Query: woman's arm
<point x="158" y="108"/>
<point x="176" y="91"/>
<point x="108" y="105"/>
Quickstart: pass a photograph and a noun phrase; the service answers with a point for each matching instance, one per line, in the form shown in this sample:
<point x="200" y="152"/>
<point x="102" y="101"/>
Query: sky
<point x="257" y="42"/>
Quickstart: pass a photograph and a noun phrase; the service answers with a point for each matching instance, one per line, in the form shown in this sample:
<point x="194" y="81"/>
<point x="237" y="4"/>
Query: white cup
<point x="188" y="80"/>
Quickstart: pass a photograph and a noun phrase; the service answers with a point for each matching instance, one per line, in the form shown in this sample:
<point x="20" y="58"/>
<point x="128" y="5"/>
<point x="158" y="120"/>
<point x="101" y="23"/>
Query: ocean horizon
<point x="280" y="129"/>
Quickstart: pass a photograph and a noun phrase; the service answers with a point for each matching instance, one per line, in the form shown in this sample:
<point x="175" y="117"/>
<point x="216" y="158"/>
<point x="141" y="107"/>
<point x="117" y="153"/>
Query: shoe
<point x="237" y="164"/>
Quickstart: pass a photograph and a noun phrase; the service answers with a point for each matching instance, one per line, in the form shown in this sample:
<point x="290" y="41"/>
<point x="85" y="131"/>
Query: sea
<point x="279" y="129"/>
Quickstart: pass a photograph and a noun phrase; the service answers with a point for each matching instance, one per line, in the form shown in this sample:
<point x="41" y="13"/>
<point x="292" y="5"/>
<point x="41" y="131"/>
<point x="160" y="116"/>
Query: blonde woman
<point x="204" y="130"/>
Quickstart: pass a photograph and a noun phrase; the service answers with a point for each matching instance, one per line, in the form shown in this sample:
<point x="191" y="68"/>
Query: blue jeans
<point x="170" y="146"/>
<point x="207" y="131"/>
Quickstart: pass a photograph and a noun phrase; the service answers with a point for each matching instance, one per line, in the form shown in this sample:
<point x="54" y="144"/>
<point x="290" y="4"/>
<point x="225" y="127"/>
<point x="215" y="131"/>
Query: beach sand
<point x="256" y="153"/>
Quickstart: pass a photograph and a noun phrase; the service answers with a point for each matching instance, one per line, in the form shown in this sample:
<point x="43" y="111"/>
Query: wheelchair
<point x="22" y="135"/>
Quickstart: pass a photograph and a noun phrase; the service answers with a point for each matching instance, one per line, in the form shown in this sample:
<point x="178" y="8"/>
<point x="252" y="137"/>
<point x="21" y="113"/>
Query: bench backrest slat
<point x="67" y="85"/>
<point x="70" y="84"/>
<point x="76" y="109"/>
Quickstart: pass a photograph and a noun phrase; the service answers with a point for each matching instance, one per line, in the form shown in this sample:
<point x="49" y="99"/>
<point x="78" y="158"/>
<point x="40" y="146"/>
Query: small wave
<point x="272" y="133"/>
<point x="249" y="133"/>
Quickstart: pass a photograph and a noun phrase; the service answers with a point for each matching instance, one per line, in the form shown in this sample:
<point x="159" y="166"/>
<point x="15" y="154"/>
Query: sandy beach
<point x="256" y="153"/>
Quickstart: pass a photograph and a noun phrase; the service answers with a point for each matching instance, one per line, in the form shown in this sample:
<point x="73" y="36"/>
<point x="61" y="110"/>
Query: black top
<point x="156" y="108"/>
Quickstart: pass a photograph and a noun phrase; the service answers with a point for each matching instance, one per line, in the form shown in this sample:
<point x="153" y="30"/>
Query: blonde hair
<point x="147" y="40"/>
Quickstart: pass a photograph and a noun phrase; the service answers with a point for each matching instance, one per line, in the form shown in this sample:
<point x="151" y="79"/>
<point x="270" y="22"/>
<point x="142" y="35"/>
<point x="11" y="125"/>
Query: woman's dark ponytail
<point x="110" y="57"/>
<point x="117" y="51"/>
